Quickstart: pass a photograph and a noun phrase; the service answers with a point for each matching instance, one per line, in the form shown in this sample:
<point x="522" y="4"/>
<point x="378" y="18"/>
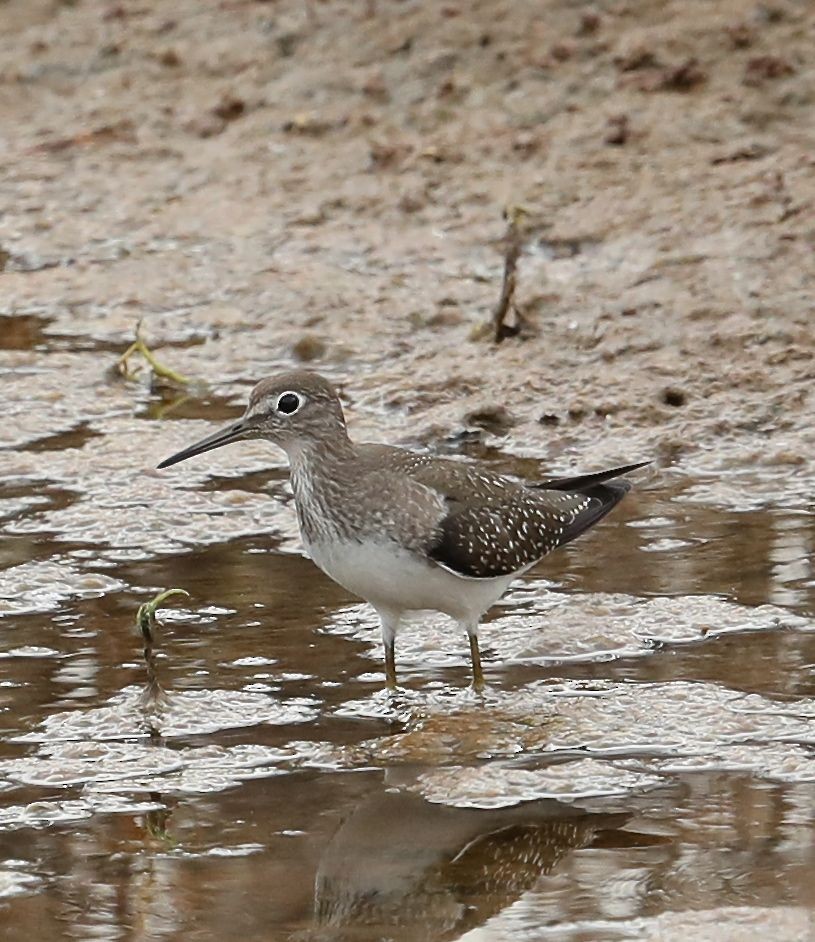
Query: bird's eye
<point x="288" y="403"/>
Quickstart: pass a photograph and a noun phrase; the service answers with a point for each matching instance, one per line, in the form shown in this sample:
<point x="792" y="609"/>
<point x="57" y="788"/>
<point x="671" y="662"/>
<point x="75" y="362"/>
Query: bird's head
<point x="291" y="410"/>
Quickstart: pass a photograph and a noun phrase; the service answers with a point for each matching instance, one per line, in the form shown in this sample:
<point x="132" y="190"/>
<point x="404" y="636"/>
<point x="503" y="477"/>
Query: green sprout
<point x="146" y="615"/>
<point x="154" y="694"/>
<point x="139" y="346"/>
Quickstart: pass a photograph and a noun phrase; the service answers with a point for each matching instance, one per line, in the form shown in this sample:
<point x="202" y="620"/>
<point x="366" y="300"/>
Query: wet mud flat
<point x="262" y="185"/>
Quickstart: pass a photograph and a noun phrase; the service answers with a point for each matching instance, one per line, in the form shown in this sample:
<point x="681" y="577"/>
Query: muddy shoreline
<point x="347" y="205"/>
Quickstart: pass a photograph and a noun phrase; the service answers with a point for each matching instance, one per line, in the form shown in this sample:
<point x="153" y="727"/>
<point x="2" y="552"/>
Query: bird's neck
<point x="321" y="474"/>
<point x="313" y="457"/>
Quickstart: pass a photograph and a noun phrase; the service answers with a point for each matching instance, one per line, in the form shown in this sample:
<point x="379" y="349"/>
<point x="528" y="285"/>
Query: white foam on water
<point x="559" y="627"/>
<point x="494" y="786"/>
<point x="15" y="880"/>
<point x="522" y="922"/>
<point x="183" y="713"/>
<point x="44" y="585"/>
<point x="639" y="733"/>
<point x="121" y="778"/>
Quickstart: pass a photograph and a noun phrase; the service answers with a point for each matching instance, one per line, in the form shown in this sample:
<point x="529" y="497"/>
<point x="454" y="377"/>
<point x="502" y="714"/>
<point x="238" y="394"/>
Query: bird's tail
<point x="604" y="493"/>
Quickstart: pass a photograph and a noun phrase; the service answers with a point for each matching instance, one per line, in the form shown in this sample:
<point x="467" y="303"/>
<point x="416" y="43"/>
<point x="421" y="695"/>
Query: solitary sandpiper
<point x="409" y="531"/>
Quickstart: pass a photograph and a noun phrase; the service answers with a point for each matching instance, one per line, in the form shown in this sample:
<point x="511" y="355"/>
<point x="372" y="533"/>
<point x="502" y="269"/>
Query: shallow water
<point x="641" y="766"/>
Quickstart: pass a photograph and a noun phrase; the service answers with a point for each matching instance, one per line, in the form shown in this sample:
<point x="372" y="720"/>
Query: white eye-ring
<point x="289" y="402"/>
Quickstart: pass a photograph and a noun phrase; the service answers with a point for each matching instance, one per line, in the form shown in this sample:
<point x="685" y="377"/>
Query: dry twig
<point x="502" y="328"/>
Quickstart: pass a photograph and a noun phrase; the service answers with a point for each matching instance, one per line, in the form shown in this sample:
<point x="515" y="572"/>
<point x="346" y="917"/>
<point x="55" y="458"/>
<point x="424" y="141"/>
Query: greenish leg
<point x="390" y="665"/>
<point x="475" y="658"/>
<point x="390" y="623"/>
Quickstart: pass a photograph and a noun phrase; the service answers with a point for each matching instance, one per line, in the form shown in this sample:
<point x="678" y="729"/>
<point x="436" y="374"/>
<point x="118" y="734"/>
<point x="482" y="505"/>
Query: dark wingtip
<point x="634" y="467"/>
<point x="587" y="480"/>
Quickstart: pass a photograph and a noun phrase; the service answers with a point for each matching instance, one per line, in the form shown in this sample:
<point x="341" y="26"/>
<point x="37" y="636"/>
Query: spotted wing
<point x="500" y="537"/>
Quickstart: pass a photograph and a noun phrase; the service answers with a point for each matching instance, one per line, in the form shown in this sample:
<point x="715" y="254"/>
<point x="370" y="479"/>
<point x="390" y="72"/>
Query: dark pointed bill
<point x="225" y="436"/>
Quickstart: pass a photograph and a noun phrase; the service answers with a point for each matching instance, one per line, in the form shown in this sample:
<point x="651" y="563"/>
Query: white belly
<point x="396" y="581"/>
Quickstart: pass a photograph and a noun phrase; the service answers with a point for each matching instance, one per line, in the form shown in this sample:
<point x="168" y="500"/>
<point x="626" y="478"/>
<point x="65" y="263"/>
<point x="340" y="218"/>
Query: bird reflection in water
<point x="406" y="869"/>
